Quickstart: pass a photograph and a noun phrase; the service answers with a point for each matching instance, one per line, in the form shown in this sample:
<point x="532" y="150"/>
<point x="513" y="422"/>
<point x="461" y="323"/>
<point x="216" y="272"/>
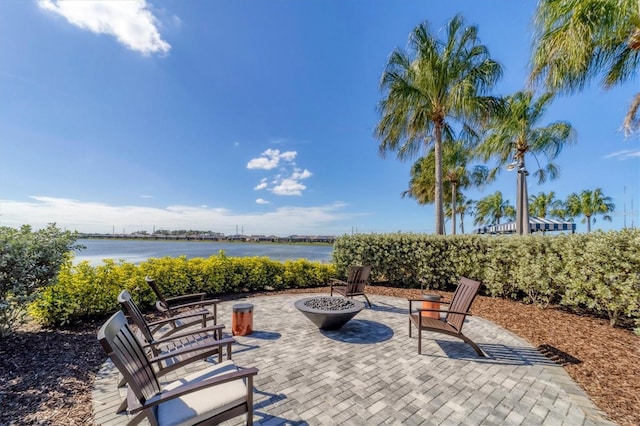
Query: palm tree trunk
<point x="438" y="193"/>
<point x="461" y="222"/>
<point x="453" y="208"/>
<point x="588" y="224"/>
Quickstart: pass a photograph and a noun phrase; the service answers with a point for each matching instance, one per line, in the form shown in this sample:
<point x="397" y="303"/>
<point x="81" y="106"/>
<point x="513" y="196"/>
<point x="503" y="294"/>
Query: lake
<point x="135" y="251"/>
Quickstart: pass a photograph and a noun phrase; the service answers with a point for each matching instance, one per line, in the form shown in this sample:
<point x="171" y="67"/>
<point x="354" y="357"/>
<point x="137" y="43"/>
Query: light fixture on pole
<point x="522" y="200"/>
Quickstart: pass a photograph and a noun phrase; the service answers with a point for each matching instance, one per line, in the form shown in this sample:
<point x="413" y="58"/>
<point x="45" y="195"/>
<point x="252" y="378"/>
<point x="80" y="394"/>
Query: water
<point x="134" y="251"/>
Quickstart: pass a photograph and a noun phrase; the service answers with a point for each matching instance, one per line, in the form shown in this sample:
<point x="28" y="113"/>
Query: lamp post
<point x="522" y="201"/>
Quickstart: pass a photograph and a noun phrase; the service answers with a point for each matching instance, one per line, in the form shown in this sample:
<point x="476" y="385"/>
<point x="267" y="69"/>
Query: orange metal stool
<point x="431" y="301"/>
<point x="242" y="319"/>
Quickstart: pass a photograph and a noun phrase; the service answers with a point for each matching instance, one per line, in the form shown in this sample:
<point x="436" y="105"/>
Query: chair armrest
<point x="468" y="314"/>
<point x="423" y="300"/>
<point x="217" y="344"/>
<point x="203" y="303"/>
<point x="247" y="373"/>
<point x="187" y="333"/>
<point x="445" y="311"/>
<point x="178" y="317"/>
<point x="335" y="281"/>
<point x="176" y="299"/>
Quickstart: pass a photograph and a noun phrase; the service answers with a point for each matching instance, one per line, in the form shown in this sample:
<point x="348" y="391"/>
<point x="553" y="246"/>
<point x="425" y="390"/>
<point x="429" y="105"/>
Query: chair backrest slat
<point x="127" y="354"/>
<point x="461" y="302"/>
<point x="135" y="314"/>
<point x="154" y="286"/>
<point x="358" y="278"/>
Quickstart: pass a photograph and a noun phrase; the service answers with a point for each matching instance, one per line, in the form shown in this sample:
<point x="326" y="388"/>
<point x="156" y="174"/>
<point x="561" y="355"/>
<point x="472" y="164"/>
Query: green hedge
<point x="409" y="260"/>
<point x="83" y="290"/>
<point x="598" y="272"/>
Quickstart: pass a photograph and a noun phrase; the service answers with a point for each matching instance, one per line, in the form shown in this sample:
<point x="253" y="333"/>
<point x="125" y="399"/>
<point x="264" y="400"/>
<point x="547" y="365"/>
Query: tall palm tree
<point x="543" y="205"/>
<point x="589" y="204"/>
<point x="457" y="174"/>
<point x="577" y="41"/>
<point x="516" y="133"/>
<point x="431" y="86"/>
<point x="492" y="208"/>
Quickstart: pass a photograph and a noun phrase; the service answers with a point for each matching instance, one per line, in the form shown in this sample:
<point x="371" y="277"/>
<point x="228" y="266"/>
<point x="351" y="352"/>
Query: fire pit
<point x="329" y="313"/>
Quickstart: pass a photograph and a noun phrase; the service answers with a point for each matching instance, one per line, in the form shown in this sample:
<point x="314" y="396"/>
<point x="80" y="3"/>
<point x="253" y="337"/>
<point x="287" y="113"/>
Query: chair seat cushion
<point x="197" y="406"/>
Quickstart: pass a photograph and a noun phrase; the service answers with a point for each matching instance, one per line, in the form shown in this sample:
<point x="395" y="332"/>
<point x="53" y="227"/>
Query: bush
<point x="83" y="290"/>
<point x="598" y="272"/>
<point x="603" y="274"/>
<point x="29" y="261"/>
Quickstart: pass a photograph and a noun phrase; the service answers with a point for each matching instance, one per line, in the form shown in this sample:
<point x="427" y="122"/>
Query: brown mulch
<point x="46" y="376"/>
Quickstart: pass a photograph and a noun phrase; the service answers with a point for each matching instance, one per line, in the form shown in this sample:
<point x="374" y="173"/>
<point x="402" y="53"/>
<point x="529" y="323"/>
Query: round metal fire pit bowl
<point x="329" y="313"/>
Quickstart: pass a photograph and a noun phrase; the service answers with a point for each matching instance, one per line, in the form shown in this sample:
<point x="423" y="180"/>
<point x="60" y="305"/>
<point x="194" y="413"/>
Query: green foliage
<point x="29" y="261"/>
<point x="597" y="272"/>
<point x="84" y="290"/>
<point x="302" y="273"/>
<point x="410" y="260"/>
<point x="606" y="279"/>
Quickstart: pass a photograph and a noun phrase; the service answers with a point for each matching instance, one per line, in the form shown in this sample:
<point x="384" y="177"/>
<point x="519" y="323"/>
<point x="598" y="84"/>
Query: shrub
<point x="604" y="274"/>
<point x="83" y="290"/>
<point x="29" y="261"/>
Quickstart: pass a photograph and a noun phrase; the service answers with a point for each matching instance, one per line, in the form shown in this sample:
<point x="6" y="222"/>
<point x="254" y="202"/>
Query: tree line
<point x="437" y="105"/>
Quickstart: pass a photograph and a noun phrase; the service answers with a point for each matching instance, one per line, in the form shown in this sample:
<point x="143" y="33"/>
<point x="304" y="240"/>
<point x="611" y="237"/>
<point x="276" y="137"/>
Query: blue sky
<point x="256" y="116"/>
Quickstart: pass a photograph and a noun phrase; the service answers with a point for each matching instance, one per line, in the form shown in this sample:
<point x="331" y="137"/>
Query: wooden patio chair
<point x="172" y="306"/>
<point x="210" y="396"/>
<point x="453" y="320"/>
<point x="177" y="346"/>
<point x="357" y="280"/>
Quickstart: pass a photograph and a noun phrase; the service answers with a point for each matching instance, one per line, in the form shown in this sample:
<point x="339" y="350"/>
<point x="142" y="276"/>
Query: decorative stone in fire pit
<point x="329" y="313"/>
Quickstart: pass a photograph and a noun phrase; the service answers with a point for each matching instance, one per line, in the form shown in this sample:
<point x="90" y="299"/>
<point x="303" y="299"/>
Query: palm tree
<point x="431" y="86"/>
<point x="589" y="204"/>
<point x="515" y="133"/>
<point x="464" y="206"/>
<point x="457" y="176"/>
<point x="492" y="208"/>
<point x="577" y="41"/>
<point x="543" y="204"/>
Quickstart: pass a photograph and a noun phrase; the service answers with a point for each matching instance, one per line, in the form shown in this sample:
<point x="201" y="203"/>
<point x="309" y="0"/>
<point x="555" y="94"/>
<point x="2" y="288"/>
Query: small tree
<point x="28" y="261"/>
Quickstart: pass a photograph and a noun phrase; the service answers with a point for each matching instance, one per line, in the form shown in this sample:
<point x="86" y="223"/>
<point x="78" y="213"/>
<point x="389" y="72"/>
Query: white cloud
<point x="287" y="180"/>
<point x="262" y="185"/>
<point x="130" y="22"/>
<point x="262" y="201"/>
<point x="288" y="187"/>
<point x="625" y="154"/>
<point x="299" y="175"/>
<point x="86" y="216"/>
<point x="270" y="159"/>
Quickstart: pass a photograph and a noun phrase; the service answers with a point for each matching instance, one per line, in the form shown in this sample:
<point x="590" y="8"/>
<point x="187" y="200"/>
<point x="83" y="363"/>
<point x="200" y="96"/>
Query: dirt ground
<point x="46" y="376"/>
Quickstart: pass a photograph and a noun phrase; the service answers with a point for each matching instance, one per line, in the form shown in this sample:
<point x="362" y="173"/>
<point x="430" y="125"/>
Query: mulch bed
<point x="46" y="376"/>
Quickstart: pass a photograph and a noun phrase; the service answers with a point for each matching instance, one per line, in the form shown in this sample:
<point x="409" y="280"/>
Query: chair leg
<point x="365" y="296"/>
<point x="122" y="407"/>
<point x="419" y="341"/>
<point x="479" y="351"/>
<point x="250" y="401"/>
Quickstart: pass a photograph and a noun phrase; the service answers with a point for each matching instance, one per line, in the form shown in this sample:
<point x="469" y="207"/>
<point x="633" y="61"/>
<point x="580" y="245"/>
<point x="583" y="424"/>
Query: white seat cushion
<point x="198" y="406"/>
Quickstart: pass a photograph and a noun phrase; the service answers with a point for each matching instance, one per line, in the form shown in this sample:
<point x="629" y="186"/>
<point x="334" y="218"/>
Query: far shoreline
<point x="303" y="240"/>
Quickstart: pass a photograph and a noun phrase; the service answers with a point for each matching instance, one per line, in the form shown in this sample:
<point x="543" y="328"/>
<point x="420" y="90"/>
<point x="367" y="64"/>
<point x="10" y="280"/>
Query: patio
<point x="369" y="372"/>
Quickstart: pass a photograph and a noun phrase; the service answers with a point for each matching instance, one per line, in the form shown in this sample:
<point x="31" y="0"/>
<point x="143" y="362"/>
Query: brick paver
<point x="370" y="373"/>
